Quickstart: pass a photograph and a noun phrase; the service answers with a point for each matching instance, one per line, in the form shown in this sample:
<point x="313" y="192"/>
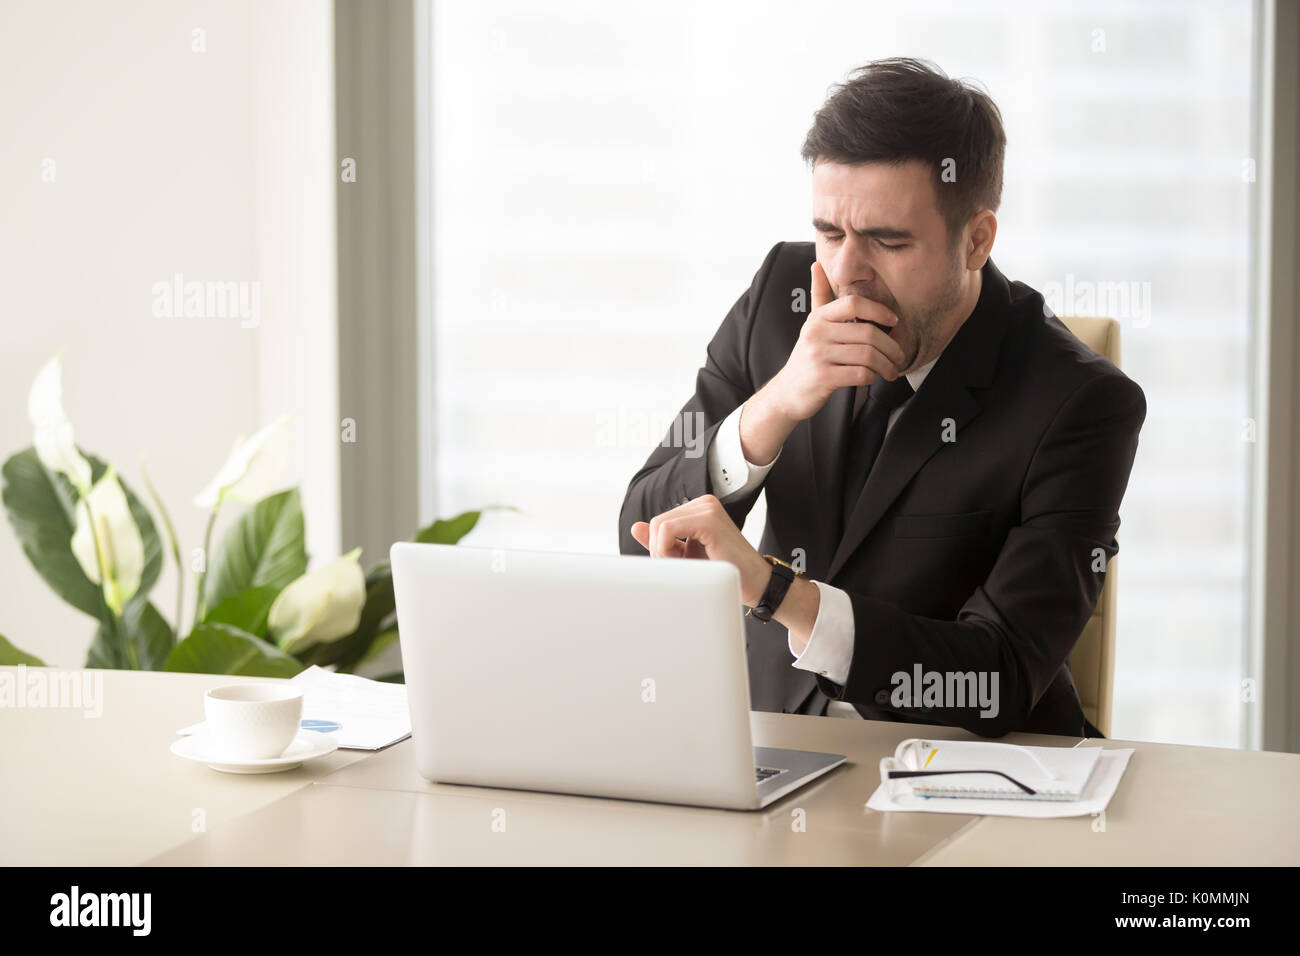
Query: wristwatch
<point x="778" y="584"/>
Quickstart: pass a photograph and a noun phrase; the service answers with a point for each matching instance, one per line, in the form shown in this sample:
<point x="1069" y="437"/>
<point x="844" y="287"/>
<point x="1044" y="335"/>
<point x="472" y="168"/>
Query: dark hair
<point x="900" y="109"/>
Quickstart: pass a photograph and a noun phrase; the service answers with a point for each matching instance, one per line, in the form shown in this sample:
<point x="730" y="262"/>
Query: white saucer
<point x="308" y="745"/>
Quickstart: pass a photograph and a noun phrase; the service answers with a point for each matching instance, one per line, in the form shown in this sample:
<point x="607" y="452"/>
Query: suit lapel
<point x="953" y="390"/>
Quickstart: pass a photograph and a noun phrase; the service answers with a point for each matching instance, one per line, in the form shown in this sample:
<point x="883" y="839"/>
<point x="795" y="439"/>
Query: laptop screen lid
<point x="602" y="675"/>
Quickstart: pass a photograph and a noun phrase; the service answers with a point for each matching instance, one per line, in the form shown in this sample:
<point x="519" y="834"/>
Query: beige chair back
<point x="1092" y="662"/>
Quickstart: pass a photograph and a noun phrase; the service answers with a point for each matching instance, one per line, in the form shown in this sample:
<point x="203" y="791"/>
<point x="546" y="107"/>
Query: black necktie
<point x="866" y="434"/>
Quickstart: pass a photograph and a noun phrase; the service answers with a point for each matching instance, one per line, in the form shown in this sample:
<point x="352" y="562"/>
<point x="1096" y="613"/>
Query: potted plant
<point x="258" y="609"/>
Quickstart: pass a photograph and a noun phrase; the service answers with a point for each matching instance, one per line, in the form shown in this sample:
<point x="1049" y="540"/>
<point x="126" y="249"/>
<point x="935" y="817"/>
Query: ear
<point x="980" y="233"/>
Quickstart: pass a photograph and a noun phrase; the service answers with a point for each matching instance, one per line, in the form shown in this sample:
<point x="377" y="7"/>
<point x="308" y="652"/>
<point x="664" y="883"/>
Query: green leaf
<point x="448" y="530"/>
<point x="451" y="530"/>
<point x="246" y="610"/>
<point x="41" y="506"/>
<point x="11" y="656"/>
<point x="146" y="629"/>
<point x="380" y="644"/>
<point x="104" y="654"/>
<point x="379" y="607"/>
<point x="222" y="649"/>
<point x="264" y="548"/>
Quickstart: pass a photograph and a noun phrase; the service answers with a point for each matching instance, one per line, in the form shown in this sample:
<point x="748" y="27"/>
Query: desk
<point x="106" y="790"/>
<point x="1175" y="806"/>
<point x="382" y="812"/>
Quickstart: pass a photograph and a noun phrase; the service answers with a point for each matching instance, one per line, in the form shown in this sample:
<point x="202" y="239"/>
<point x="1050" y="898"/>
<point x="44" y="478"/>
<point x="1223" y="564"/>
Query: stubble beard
<point x="923" y="326"/>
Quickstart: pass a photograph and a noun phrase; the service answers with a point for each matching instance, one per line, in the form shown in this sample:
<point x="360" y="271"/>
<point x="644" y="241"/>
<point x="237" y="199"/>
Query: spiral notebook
<point x="1053" y="773"/>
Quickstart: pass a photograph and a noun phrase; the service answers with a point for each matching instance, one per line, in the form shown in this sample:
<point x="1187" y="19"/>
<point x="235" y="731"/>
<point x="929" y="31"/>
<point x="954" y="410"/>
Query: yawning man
<point x="943" y="460"/>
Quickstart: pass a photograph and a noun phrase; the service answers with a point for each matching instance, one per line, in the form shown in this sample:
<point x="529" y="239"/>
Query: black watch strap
<point x="777" y="585"/>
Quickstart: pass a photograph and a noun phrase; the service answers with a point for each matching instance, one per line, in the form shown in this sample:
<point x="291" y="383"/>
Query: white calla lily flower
<point x="255" y="468"/>
<point x="121" y="548"/>
<point x="53" y="438"/>
<point x="321" y="606"/>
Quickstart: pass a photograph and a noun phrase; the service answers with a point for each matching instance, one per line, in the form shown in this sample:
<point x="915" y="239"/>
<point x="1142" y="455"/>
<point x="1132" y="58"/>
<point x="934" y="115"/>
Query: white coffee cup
<point x="252" y="721"/>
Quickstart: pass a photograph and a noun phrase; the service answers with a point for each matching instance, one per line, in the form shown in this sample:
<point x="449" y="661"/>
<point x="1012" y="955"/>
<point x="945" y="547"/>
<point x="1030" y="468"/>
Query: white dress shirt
<point x="830" y="645"/>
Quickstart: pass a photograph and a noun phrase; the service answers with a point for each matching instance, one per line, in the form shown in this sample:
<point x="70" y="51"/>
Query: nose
<point x="851" y="267"/>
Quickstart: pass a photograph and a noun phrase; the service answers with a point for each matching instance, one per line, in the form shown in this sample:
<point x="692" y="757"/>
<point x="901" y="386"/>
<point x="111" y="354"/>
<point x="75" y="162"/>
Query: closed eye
<point x="836" y="237"/>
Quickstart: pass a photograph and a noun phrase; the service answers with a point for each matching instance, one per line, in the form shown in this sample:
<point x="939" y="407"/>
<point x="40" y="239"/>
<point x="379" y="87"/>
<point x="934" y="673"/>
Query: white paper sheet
<point x="1101" y="787"/>
<point x="364" y="714"/>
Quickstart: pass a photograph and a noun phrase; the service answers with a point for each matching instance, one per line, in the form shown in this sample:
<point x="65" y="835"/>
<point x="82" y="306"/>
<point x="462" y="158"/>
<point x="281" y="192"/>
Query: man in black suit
<point x="944" y="461"/>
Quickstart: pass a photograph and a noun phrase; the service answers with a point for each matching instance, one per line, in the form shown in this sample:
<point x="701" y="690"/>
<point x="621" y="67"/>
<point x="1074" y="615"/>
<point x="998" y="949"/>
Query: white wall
<point x="162" y="166"/>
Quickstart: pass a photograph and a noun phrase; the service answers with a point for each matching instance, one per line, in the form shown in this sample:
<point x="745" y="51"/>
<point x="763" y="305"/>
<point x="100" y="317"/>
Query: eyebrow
<point x="875" y="232"/>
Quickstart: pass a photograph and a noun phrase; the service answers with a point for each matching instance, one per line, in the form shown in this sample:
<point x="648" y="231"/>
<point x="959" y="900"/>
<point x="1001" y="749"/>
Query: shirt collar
<point x="917" y="375"/>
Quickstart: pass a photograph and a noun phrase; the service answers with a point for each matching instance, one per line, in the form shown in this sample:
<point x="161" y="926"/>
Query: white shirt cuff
<point x="729" y="472"/>
<point x="830" y="645"/>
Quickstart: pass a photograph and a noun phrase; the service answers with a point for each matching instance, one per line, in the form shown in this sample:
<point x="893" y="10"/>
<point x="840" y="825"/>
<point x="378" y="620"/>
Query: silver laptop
<point x="602" y="675"/>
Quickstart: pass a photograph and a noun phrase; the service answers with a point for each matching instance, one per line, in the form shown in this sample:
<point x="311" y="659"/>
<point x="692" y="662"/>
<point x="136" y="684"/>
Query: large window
<point x="607" y="178"/>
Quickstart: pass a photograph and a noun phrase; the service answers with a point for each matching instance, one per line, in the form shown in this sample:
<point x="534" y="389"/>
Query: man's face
<point x="880" y="235"/>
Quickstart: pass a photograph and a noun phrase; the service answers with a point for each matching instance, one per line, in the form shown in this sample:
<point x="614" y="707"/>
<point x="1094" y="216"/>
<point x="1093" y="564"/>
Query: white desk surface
<point x="106" y="790"/>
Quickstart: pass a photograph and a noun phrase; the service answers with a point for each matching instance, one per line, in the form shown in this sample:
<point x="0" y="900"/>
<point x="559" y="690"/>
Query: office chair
<point x="1092" y="662"/>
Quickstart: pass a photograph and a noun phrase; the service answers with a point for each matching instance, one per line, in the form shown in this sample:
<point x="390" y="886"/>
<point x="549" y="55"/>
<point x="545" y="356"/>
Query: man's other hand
<point x="701" y="528"/>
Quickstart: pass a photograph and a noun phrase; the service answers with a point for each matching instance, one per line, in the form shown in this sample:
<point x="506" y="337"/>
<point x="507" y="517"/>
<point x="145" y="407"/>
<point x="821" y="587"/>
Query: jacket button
<point x="882" y="697"/>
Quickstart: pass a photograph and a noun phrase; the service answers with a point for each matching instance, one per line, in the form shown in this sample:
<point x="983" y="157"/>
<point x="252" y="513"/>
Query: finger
<point x="850" y="309"/>
<point x="869" y="310"/>
<point x="832" y="334"/>
<point x="821" y="286"/>
<point x="681" y="531"/>
<point x="670" y="538"/>
<point x="656" y="533"/>
<point x="641" y="532"/>
<point x="859" y="332"/>
<point x="866" y="356"/>
<point x="655" y="543"/>
<point x="841" y="376"/>
<point x="855" y="353"/>
<point x="674" y="549"/>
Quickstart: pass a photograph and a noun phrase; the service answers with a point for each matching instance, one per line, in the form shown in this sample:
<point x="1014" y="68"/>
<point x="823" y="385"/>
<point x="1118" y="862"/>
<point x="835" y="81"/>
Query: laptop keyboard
<point x="765" y="773"/>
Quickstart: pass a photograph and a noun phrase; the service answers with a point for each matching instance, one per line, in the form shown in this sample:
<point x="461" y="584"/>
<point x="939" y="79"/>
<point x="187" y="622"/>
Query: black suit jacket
<point x="986" y="553"/>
